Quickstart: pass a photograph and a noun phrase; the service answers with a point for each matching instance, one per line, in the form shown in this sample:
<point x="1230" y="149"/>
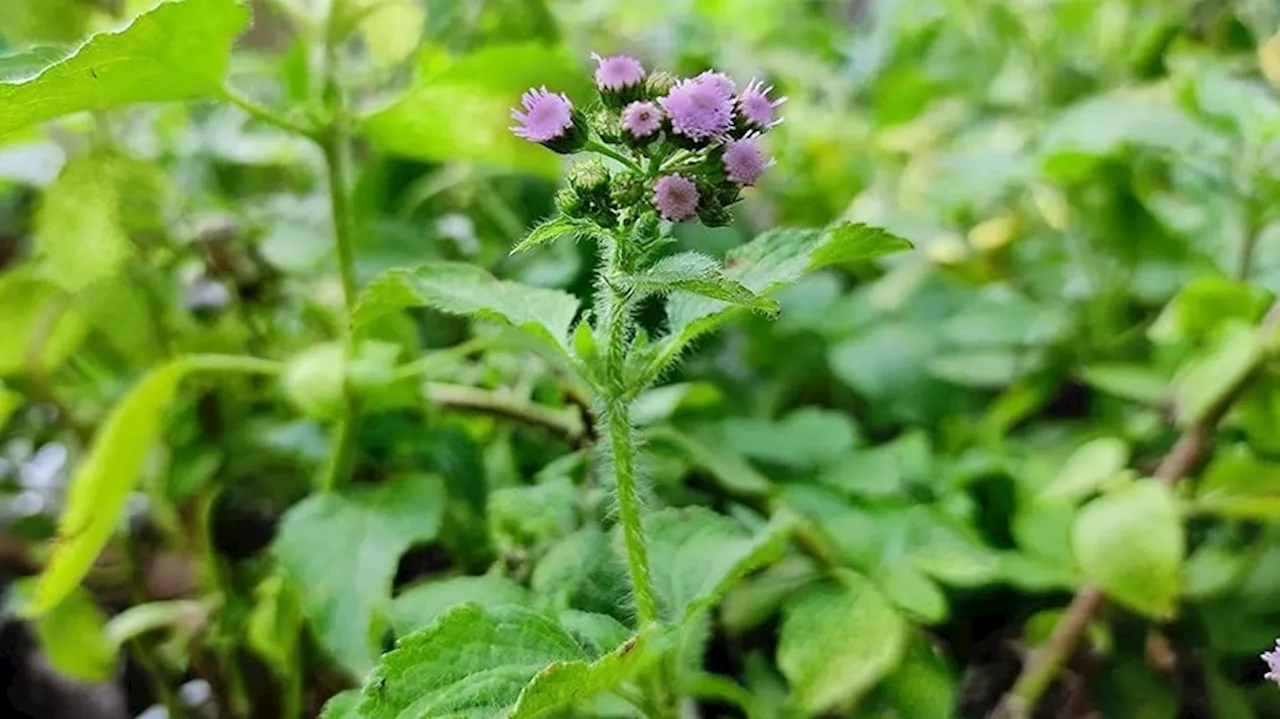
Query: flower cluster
<point x="1272" y="658"/>
<point x="686" y="146"/>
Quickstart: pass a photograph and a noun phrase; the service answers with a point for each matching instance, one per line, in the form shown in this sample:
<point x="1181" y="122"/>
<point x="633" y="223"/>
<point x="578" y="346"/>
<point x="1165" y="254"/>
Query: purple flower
<point x="699" y="109"/>
<point x="756" y="106"/>
<point x="676" y="197"/>
<point x="744" y="163"/>
<point x="642" y="119"/>
<point x="617" y="72"/>
<point x="546" y="117"/>
<point x="1272" y="658"/>
<point x="721" y="81"/>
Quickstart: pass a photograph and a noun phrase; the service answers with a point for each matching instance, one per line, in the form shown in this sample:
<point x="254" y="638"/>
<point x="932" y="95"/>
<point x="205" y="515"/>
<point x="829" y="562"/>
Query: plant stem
<point x="337" y="156"/>
<point x="1042" y="666"/>
<point x="621" y="447"/>
<point x="565" y="423"/>
<point x="265" y="114"/>
<point x="603" y="149"/>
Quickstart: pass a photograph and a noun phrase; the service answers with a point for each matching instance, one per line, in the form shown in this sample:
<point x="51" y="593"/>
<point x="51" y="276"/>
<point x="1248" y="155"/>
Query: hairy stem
<point x="1043" y="665"/>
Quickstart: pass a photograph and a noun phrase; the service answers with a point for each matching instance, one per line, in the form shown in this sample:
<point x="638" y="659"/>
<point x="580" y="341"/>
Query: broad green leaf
<point x="807" y="438"/>
<point x="1133" y="382"/>
<point x="729" y="469"/>
<point x="698" y="274"/>
<point x="1131" y="543"/>
<point x="103" y="481"/>
<point x="1208" y="379"/>
<point x="502" y="663"/>
<point x="40" y="21"/>
<point x="462" y="112"/>
<point x="989" y="369"/>
<point x="1087" y="469"/>
<point x="340" y="550"/>
<point x="1212" y="571"/>
<point x="765" y="264"/>
<point x="79" y="236"/>
<point x="885" y="470"/>
<point x="531" y="516"/>
<point x="32" y="310"/>
<point x="921" y="687"/>
<point x="177" y="51"/>
<point x="1206" y="307"/>
<point x="419" y="605"/>
<point x="391" y="29"/>
<point x="462" y="289"/>
<point x="662" y="403"/>
<point x="343" y="705"/>
<point x="912" y="590"/>
<point x="948" y="550"/>
<point x="599" y="633"/>
<point x="559" y="226"/>
<point x="837" y="641"/>
<point x="583" y="572"/>
<point x="72" y="635"/>
<point x="755" y="599"/>
<point x="696" y="555"/>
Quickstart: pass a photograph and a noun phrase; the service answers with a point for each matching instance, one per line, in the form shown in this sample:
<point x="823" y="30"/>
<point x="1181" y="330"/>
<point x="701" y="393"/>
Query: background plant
<point x="925" y="457"/>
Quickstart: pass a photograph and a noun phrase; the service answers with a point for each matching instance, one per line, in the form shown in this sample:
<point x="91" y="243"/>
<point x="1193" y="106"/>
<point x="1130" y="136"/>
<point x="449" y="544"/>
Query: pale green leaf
<point x="559" y="226"/>
<point x="32" y="310"/>
<point x="72" y="635"/>
<point x="340" y="551"/>
<point x="912" y="590"/>
<point x="274" y="625"/>
<point x="40" y="21"/>
<point x="807" y="438"/>
<point x="1207" y="380"/>
<point x="78" y="232"/>
<point x="463" y="289"/>
<point x="463" y="110"/>
<point x="856" y="242"/>
<point x="729" y="469"/>
<point x="698" y="274"/>
<point x="151" y="616"/>
<point x="1087" y="469"/>
<point x="343" y="705"/>
<point x="502" y="663"/>
<point x="922" y="687"/>
<point x="1134" y="382"/>
<point x="1131" y="543"/>
<point x="696" y="555"/>
<point x="103" y="481"/>
<point x="419" y="605"/>
<point x="837" y="641"/>
<point x="177" y="51"/>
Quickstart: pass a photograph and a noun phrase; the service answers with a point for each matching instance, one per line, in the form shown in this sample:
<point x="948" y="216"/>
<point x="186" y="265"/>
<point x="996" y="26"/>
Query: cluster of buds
<point x="687" y="146"/>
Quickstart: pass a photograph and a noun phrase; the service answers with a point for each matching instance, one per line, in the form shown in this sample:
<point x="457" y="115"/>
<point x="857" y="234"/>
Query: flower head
<point x="699" y="109"/>
<point x="720" y="81"/>
<point x="617" y="71"/>
<point x="546" y="117"/>
<point x="642" y="119"/>
<point x="756" y="107"/>
<point x="744" y="163"/>
<point x="676" y="197"/>
<point x="1272" y="658"/>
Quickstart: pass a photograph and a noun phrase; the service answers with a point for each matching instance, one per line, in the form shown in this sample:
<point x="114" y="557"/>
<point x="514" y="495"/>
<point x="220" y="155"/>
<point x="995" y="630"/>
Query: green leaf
<point x="79" y="236"/>
<point x="340" y="551"/>
<point x="764" y="265"/>
<point x="728" y="469"/>
<point x="72" y="634"/>
<point x="912" y="590"/>
<point x="807" y="438"/>
<point x="421" y="604"/>
<point x="462" y="112"/>
<point x="698" y="274"/>
<point x="583" y="572"/>
<point x="10" y="401"/>
<point x="1128" y="381"/>
<point x="837" y="641"/>
<point x="275" y="625"/>
<point x="343" y="705"/>
<point x="1131" y="543"/>
<point x="560" y="226"/>
<point x="921" y="687"/>
<point x="503" y="663"/>
<point x="32" y="21"/>
<point x="31" y="309"/>
<point x="1087" y="469"/>
<point x="696" y="555"/>
<point x="177" y="51"/>
<point x="1206" y="306"/>
<point x="103" y="481"/>
<point x="462" y="289"/>
<point x="1207" y="380"/>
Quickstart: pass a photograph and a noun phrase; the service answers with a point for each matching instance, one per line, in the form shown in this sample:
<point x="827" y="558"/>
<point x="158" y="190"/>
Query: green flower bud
<point x="608" y="126"/>
<point x="658" y="84"/>
<point x="711" y="211"/>
<point x="590" y="179"/>
<point x="568" y="202"/>
<point x="629" y="191"/>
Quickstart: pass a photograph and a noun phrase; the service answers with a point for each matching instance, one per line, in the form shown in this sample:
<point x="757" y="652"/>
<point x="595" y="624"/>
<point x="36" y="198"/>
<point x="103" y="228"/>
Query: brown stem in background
<point x="1043" y="664"/>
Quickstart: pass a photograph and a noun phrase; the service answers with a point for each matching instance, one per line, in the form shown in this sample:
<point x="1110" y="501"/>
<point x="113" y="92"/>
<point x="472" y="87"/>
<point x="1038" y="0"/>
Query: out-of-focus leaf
<point x="177" y="51"/>
<point x="583" y="572"/>
<point x="557" y="227"/>
<point x="698" y="274"/>
<point x="1133" y="382"/>
<point x="806" y="438"/>
<point x="31" y="309"/>
<point x="72" y="635"/>
<point x="1204" y="382"/>
<point x="419" y="605"/>
<point x="1131" y="543"/>
<point x="340" y="551"/>
<point x="78" y="231"/>
<point x="1269" y="60"/>
<point x="921" y="687"/>
<point x="40" y="21"/>
<point x="837" y="641"/>
<point x="1205" y="308"/>
<point x="730" y="470"/>
<point x="343" y="705"/>
<point x="462" y="112"/>
<point x="1092" y="464"/>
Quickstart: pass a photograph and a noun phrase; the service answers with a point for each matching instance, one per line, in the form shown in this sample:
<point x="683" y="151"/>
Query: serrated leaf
<point x="557" y="227"/>
<point x="419" y="605"/>
<point x="463" y="111"/>
<point x="31" y="308"/>
<point x="78" y="232"/>
<point x="583" y="572"/>
<point x="461" y="289"/>
<point x="837" y="641"/>
<point x="698" y="274"/>
<point x="763" y="265"/>
<point x="1087" y="469"/>
<point x="1131" y="543"/>
<point x="177" y="51"/>
<point x="103" y="481"/>
<point x="696" y="555"/>
<point x="340" y="551"/>
<point x="1207" y="380"/>
<point x="503" y="663"/>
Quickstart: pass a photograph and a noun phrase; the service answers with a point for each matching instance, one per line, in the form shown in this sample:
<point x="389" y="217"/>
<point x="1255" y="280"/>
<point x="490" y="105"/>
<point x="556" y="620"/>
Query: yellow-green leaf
<point x="1131" y="543"/>
<point x="33" y="310"/>
<point x="79" y="237"/>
